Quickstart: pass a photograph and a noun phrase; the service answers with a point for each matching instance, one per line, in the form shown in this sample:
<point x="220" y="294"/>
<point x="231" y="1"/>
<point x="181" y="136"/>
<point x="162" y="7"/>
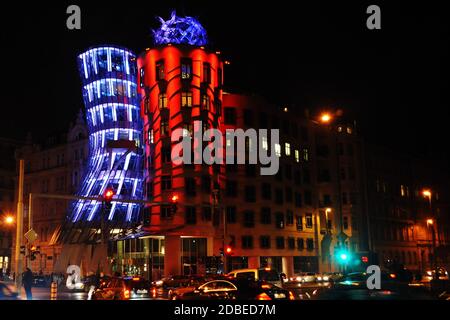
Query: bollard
<point x="53" y="291"/>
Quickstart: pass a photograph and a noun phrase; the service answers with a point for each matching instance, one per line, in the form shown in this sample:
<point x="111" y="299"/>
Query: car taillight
<point x="126" y="294"/>
<point x="263" y="296"/>
<point x="291" y="295"/>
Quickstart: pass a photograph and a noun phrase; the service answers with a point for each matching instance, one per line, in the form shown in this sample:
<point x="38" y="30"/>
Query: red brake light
<point x="136" y="279"/>
<point x="263" y="296"/>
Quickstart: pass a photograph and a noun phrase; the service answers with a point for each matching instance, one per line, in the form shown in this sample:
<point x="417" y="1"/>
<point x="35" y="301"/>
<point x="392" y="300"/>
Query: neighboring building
<point x="400" y="232"/>
<point x="56" y="166"/>
<point x="7" y="199"/>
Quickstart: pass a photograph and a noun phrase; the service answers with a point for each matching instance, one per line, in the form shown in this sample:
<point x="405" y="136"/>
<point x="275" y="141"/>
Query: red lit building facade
<point x="277" y="221"/>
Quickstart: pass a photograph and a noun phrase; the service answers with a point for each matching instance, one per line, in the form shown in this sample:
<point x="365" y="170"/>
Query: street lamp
<point x="325" y="118"/>
<point x="9" y="220"/>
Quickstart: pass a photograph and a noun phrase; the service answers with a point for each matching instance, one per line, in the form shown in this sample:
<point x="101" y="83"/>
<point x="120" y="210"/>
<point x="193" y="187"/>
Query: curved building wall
<point x="108" y="76"/>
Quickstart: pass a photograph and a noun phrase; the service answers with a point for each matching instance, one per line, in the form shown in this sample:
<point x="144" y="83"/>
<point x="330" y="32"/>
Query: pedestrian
<point x="27" y="281"/>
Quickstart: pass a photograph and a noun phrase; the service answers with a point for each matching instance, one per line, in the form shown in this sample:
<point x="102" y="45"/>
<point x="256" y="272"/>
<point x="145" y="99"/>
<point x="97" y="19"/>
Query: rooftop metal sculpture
<point x="180" y="30"/>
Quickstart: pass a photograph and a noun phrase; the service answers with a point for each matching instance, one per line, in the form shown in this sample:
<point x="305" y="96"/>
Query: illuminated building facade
<point x="180" y="82"/>
<point x="112" y="112"/>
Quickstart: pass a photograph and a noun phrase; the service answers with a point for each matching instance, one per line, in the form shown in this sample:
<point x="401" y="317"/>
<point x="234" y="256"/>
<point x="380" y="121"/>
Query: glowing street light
<point x="426" y="193"/>
<point x="325" y="117"/>
<point x="9" y="220"/>
<point x="430" y="222"/>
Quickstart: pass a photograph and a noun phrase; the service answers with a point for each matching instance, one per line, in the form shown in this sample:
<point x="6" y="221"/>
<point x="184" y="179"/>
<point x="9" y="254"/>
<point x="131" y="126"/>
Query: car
<point x="235" y="289"/>
<point x="125" y="288"/>
<point x="173" y="293"/>
<point x="430" y="275"/>
<point x="6" y="293"/>
<point x="305" y="277"/>
<point x="258" y="274"/>
<point x="176" y="281"/>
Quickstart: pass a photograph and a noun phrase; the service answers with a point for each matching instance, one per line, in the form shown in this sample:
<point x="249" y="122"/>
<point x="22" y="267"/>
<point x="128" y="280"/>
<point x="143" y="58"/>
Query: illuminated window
<point x="339" y="129"/>
<point x="186" y="69"/>
<point x="142" y="77"/>
<point x="186" y="99"/>
<point x="297" y="156"/>
<point x="349" y="130"/>
<point x="205" y="102"/>
<point x="264" y="143"/>
<point x="309" y="221"/>
<point x="277" y="149"/>
<point x="306" y="154"/>
<point x="206" y="73"/>
<point x="162" y="100"/>
<point x="160" y="70"/>
<point x="402" y="190"/>
<point x="287" y="149"/>
<point x="150" y="136"/>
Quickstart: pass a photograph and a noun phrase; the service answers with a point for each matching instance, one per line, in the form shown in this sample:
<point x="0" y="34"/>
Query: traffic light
<point x="174" y="204"/>
<point x="108" y="195"/>
<point x="228" y="250"/>
<point x="365" y="259"/>
<point x="343" y="256"/>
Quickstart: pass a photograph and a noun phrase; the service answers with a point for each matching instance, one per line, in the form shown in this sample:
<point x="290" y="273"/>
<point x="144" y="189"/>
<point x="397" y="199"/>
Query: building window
<point x="279" y="220"/>
<point x="231" y="214"/>
<point x="288" y="172"/>
<point x="205" y="102"/>
<point x="231" y="188"/>
<point x="277" y="149"/>
<point x="207" y="214"/>
<point x="287" y="149"/>
<point x="230" y="115"/>
<point x="266" y="215"/>
<point x="300" y="244"/>
<point x="299" y="223"/>
<point x="189" y="185"/>
<point x="309" y="221"/>
<point x="247" y="242"/>
<point x="306" y="176"/>
<point x="278" y="196"/>
<point x="297" y="177"/>
<point x="327" y="200"/>
<point x="291" y="243"/>
<point x="248" y="118"/>
<point x="190" y="215"/>
<point x="186" y="69"/>
<point x="310" y="244"/>
<point x="266" y="191"/>
<point x="206" y="72"/>
<point x="249" y="219"/>
<point x="186" y="99"/>
<point x="151" y="138"/>
<point x="250" y="194"/>
<point x="141" y="77"/>
<point x="160" y="70"/>
<point x="165" y="212"/>
<point x="306" y="154"/>
<point x="162" y="101"/>
<point x="345" y="222"/>
<point x="280" y="242"/>
<point x="264" y="242"/>
<point x="166" y="183"/>
<point x="344" y="198"/>
<point x="165" y="155"/>
<point x="164" y="128"/>
<point x="289" y="217"/>
<point x="402" y="191"/>
<point x="264" y="143"/>
<point x="297" y="155"/>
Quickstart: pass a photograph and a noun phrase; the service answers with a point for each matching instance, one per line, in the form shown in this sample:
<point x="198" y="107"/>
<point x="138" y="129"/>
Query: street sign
<point x="31" y="235"/>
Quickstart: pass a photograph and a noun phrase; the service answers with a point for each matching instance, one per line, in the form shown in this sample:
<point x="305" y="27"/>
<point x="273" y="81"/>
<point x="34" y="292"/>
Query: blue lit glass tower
<point x="108" y="76"/>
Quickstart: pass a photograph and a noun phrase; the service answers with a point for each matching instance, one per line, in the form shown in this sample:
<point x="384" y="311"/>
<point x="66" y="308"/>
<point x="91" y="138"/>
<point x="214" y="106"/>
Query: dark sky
<point x="392" y="81"/>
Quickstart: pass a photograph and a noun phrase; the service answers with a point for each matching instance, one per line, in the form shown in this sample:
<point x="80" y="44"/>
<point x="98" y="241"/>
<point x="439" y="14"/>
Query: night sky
<point x="392" y="81"/>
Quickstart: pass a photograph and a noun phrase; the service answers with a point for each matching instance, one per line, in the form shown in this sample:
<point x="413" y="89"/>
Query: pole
<point x="18" y="262"/>
<point x="433" y="237"/>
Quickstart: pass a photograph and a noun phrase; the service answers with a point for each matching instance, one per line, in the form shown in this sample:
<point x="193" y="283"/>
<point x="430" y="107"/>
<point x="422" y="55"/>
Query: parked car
<point x="236" y="289"/>
<point x="430" y="275"/>
<point x="305" y="277"/>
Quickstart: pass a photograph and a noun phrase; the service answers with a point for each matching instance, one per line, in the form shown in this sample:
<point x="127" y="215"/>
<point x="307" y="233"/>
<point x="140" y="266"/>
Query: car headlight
<point x="319" y="278"/>
<point x="325" y="279"/>
<point x="298" y="278"/>
<point x="429" y="273"/>
<point x="159" y="283"/>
